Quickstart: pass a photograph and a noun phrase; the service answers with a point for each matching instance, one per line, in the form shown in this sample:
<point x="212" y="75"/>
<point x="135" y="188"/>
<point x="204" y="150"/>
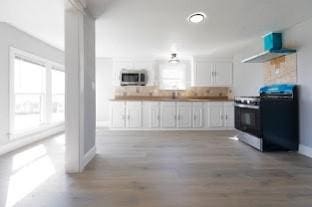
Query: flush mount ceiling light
<point x="174" y="59"/>
<point x="197" y="17"/>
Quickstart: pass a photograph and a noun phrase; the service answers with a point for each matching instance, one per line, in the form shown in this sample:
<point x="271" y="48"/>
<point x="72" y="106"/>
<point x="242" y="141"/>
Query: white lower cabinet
<point x="198" y="115"/>
<point x="229" y="115"/>
<point x="220" y="115"/>
<point x="118" y="114"/>
<point x="134" y="114"/>
<point x="151" y="114"/>
<point x="168" y="115"/>
<point x="215" y="115"/>
<point x="171" y="115"/>
<point x="184" y="115"/>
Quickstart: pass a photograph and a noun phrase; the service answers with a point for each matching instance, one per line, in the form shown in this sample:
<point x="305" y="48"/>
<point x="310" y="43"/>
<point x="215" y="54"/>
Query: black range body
<point x="279" y="117"/>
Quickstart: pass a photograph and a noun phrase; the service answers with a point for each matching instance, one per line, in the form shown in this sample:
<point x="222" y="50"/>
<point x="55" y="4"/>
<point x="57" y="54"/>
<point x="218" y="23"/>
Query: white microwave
<point x="133" y="77"/>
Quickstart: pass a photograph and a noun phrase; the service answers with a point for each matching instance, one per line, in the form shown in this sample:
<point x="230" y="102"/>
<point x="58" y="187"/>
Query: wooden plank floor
<point x="157" y="169"/>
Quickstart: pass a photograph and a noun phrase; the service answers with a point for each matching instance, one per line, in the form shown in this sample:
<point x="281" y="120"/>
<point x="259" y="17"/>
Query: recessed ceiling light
<point x="197" y="17"/>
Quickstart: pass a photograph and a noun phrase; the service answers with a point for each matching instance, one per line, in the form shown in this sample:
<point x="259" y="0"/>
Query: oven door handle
<point x="246" y="106"/>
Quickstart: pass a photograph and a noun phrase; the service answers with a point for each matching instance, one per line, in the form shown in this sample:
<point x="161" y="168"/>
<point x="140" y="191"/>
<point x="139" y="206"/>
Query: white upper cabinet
<point x="184" y="115"/>
<point x="223" y="74"/>
<point x="198" y="115"/>
<point x="134" y="114"/>
<point x="203" y="73"/>
<point x="168" y="115"/>
<point x="212" y="73"/>
<point x="118" y="114"/>
<point x="229" y="115"/>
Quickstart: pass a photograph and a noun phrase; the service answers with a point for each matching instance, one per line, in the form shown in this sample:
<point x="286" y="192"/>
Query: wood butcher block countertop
<point x="178" y="99"/>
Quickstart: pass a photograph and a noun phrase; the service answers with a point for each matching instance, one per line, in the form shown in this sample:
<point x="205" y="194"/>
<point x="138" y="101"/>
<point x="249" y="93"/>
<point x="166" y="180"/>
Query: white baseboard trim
<point x="21" y="142"/>
<point x="88" y="157"/>
<point x="305" y="150"/>
<point x="171" y="129"/>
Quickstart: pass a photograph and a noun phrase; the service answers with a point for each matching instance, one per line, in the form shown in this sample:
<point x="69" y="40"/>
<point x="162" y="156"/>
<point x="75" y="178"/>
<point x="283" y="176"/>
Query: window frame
<point x="49" y="66"/>
<point x="168" y="66"/>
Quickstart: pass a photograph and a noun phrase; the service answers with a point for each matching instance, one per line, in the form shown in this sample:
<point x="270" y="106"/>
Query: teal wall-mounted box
<point x="272" y="41"/>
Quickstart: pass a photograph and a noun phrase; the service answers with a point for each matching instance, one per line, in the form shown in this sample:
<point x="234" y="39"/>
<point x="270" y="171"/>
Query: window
<point x="36" y="93"/>
<point x="172" y="76"/>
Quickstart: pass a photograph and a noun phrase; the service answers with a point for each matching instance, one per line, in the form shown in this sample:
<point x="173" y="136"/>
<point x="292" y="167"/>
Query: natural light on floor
<point x="30" y="169"/>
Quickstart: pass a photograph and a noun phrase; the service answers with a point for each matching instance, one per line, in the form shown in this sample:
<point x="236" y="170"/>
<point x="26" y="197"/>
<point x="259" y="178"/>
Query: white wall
<point x="300" y="38"/>
<point x="10" y="36"/>
<point x="247" y="77"/>
<point x="104" y="89"/>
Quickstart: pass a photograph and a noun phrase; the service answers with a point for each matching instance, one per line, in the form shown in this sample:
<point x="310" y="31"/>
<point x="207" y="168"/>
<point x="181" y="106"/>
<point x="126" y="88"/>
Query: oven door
<point x="130" y="78"/>
<point x="248" y="120"/>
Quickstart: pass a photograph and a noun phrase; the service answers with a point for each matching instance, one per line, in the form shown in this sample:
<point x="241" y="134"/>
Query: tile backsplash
<point x="281" y="70"/>
<point x="154" y="91"/>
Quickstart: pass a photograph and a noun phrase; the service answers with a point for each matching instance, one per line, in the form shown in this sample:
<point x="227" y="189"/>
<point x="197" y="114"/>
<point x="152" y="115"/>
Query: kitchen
<point x="156" y="103"/>
<point x="197" y="94"/>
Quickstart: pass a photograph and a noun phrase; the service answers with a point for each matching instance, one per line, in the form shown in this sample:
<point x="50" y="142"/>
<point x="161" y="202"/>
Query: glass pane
<point x="29" y="77"/>
<point x="27" y="112"/>
<point x="172" y="77"/>
<point x="29" y="92"/>
<point x="58" y="96"/>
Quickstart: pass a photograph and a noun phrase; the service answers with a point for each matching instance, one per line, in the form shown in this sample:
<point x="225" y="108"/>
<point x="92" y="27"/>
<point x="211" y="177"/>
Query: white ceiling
<point x="155" y="27"/>
<point x="43" y="19"/>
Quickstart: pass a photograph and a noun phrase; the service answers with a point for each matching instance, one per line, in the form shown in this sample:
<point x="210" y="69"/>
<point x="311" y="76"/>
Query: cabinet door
<point x="151" y="115"/>
<point x="168" y="114"/>
<point x="229" y="115"/>
<point x="198" y="115"/>
<point x="203" y="73"/>
<point x="215" y="115"/>
<point x="223" y="74"/>
<point x="134" y="114"/>
<point x="118" y="114"/>
<point x="155" y="115"/>
<point x="184" y="115"/>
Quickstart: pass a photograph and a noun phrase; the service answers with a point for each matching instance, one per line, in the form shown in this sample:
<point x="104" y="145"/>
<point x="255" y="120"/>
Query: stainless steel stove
<point x="247" y="120"/>
<point x="269" y="122"/>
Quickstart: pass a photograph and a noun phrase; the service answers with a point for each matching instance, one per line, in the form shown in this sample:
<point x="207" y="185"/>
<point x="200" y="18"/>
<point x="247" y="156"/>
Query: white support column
<point x="80" y="87"/>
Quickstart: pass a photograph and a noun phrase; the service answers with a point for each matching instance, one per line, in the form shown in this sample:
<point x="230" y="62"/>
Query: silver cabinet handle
<point x="226" y="117"/>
